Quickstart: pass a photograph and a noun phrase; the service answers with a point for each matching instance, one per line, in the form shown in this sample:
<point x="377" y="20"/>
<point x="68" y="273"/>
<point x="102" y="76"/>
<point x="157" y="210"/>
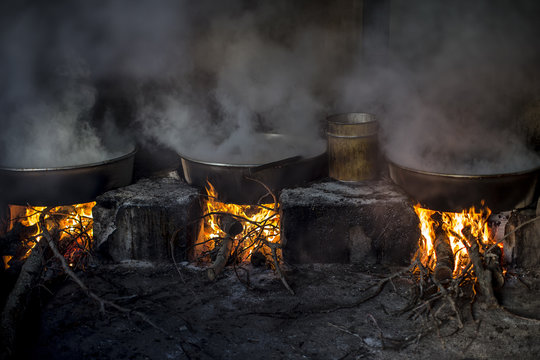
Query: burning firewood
<point x="232" y="228"/>
<point x="258" y="259"/>
<point x="483" y="275"/>
<point x="445" y="258"/>
<point x="492" y="259"/>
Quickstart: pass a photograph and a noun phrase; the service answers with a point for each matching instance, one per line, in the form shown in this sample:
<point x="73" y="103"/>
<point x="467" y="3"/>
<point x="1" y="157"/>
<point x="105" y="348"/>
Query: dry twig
<point x="101" y="301"/>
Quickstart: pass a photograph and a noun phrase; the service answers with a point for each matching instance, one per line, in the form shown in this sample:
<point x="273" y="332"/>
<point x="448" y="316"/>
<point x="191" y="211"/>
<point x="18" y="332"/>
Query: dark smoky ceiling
<point x="446" y="79"/>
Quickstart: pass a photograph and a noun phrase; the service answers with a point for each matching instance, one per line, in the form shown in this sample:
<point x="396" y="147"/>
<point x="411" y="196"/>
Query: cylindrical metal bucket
<point x="352" y="147"/>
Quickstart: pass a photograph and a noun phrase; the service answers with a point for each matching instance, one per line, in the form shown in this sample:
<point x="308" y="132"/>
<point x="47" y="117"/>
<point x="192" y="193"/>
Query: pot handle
<point x="276" y="164"/>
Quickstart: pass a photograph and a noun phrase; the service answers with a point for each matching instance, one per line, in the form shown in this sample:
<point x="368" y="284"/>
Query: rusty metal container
<point x="352" y="147"/>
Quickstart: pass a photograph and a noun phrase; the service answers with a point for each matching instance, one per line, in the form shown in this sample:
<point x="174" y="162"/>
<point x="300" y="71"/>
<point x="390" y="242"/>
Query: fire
<point x="71" y="225"/>
<point x="452" y="225"/>
<point x="261" y="223"/>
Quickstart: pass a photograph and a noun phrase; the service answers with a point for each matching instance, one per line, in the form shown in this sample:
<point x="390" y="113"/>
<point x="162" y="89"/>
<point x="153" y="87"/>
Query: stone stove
<point x="325" y="222"/>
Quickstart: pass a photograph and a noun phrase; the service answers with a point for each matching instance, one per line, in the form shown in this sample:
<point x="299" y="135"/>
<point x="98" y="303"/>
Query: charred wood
<point x="483" y="275"/>
<point x="445" y="258"/>
<point x="492" y="258"/>
<point x="258" y="259"/>
<point x="232" y="227"/>
<point x="11" y="242"/>
<point x="221" y="258"/>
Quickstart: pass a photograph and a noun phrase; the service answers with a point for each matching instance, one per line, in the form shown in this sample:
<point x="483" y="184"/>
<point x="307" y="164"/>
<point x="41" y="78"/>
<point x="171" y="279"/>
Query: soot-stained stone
<point x="333" y="222"/>
<point x="137" y="222"/>
<point x="522" y="247"/>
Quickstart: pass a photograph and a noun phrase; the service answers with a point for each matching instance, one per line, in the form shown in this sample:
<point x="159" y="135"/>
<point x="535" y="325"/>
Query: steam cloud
<point x="451" y="91"/>
<point x="208" y="77"/>
<point x="254" y="84"/>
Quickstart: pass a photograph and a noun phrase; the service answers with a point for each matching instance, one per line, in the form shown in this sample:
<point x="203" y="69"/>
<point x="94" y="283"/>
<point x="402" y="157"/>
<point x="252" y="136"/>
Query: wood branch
<point x="451" y="301"/>
<point x="445" y="258"/>
<point x="102" y="302"/>
<point x="483" y="276"/>
<point x="493" y="263"/>
<point x="231" y="227"/>
<point x="221" y="258"/>
<point x="18" y="300"/>
<point x="274" y="247"/>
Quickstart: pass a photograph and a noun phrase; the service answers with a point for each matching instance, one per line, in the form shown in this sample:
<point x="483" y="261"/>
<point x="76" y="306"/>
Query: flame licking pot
<point x="233" y="183"/>
<point x="454" y="192"/>
<point x="65" y="185"/>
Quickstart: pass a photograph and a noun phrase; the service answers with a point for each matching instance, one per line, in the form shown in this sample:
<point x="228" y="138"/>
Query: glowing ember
<point x="261" y="224"/>
<point x="451" y="224"/>
<point x="71" y="224"/>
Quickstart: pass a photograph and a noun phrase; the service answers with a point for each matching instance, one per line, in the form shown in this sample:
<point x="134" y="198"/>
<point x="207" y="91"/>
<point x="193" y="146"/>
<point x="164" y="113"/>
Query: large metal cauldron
<point x="452" y="192"/>
<point x="233" y="181"/>
<point x="64" y="185"/>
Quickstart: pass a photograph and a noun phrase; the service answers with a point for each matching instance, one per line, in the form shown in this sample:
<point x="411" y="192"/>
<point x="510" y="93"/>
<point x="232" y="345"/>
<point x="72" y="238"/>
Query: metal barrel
<point x="352" y="147"/>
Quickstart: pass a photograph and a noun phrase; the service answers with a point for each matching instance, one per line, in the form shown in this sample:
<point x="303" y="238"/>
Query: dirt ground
<point x="227" y="320"/>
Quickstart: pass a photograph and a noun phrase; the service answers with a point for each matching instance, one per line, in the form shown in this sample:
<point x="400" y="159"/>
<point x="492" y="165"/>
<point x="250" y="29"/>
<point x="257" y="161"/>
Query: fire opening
<point x="70" y="225"/>
<point x="444" y="241"/>
<point x="238" y="233"/>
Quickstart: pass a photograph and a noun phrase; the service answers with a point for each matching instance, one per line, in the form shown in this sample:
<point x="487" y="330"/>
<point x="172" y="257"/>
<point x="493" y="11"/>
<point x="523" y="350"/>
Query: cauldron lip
<point x="465" y="176"/>
<point x="73" y="167"/>
<point x="251" y="164"/>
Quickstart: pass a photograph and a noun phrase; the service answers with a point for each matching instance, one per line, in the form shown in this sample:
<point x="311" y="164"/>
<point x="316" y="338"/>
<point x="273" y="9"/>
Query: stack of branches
<point x="36" y="256"/>
<point x="443" y="288"/>
<point x="73" y="241"/>
<point x="242" y="237"/>
<point x="55" y="247"/>
<point x="439" y="297"/>
<point x="441" y="294"/>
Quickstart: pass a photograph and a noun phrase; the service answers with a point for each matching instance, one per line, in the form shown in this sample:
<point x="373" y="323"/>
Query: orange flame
<point x="259" y="222"/>
<point x="452" y="224"/>
<point x="73" y="222"/>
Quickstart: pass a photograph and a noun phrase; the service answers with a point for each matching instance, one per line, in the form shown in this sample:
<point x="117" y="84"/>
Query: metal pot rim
<point x="250" y="164"/>
<point x="73" y="167"/>
<point x="333" y="119"/>
<point x="464" y="176"/>
<point x="236" y="165"/>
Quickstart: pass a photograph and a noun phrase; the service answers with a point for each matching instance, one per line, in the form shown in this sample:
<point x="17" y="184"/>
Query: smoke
<point x="254" y="84"/>
<point x="47" y="96"/>
<point x="453" y="85"/>
<point x="207" y="78"/>
<point x="218" y="74"/>
<point x="55" y="55"/>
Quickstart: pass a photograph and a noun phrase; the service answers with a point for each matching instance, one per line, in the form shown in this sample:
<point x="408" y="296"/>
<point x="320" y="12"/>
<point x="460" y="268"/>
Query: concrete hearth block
<point x="364" y="223"/>
<point x="522" y="247"/>
<point x="137" y="222"/>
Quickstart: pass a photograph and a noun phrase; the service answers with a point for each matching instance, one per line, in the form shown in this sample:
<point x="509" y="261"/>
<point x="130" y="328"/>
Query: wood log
<point x="484" y="276"/>
<point x="232" y="227"/>
<point x="221" y="258"/>
<point x="258" y="259"/>
<point x="12" y="242"/>
<point x="444" y="267"/>
<point x="492" y="260"/>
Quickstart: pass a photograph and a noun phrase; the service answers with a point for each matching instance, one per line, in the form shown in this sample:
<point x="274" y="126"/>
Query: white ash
<point x="343" y="194"/>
